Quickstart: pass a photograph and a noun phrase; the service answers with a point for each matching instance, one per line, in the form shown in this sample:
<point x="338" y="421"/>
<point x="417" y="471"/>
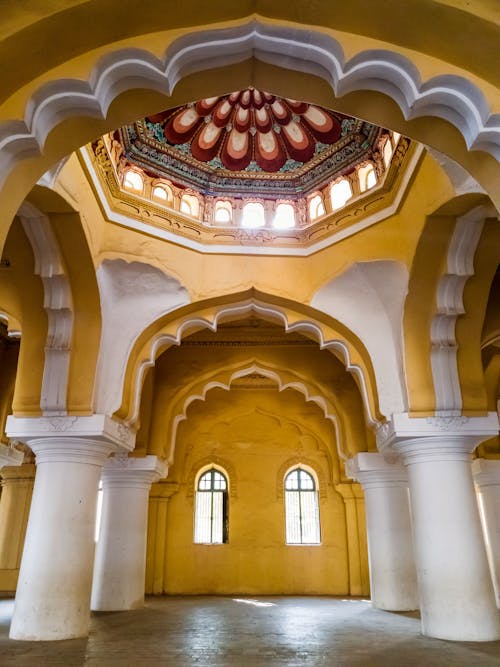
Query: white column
<point x="393" y="577"/>
<point x="487" y="477"/>
<point x="55" y="578"/>
<point x="456" y="593"/>
<point x="120" y="562"/>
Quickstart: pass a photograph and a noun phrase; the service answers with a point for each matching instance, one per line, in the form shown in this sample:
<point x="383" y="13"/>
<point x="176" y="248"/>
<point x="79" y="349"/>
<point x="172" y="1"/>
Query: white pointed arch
<point x="223" y="378"/>
<point x="311" y="328"/>
<point x="449" y="97"/>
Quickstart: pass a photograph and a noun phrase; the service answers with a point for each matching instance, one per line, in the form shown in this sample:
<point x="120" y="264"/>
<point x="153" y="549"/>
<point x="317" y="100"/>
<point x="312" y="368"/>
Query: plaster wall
<point x="256" y="435"/>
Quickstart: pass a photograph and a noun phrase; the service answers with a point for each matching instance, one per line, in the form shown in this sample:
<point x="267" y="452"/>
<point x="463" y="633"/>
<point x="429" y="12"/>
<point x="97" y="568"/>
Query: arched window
<point x="284" y="217"/>
<point x="223" y="212"/>
<point x="367" y="177"/>
<point x="133" y="180"/>
<point x="388" y="151"/>
<point x="340" y="193"/>
<point x="190" y="205"/>
<point x="211" y="509"/>
<point x="316" y="207"/>
<point x="163" y="192"/>
<point x="301" y="507"/>
<point x="253" y="215"/>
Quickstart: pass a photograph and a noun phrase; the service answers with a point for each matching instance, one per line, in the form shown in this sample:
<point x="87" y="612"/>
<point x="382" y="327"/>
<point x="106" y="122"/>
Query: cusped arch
<point x="223" y="378"/>
<point x="169" y="330"/>
<point x="447" y="97"/>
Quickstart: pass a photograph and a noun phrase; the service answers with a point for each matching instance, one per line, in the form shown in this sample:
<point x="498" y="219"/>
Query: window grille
<point x="211" y="509"/>
<point x="301" y="508"/>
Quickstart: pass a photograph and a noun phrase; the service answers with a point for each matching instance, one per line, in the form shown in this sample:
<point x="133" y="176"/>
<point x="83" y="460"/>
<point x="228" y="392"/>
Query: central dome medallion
<point x="250" y="126"/>
<point x="249" y="141"/>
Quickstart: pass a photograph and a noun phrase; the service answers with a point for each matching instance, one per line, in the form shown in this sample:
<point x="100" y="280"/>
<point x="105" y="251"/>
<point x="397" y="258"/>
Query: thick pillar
<point x="55" y="578"/>
<point x="393" y="577"/>
<point x="487" y="477"/>
<point x="15" y="501"/>
<point x="456" y="593"/>
<point x="120" y="561"/>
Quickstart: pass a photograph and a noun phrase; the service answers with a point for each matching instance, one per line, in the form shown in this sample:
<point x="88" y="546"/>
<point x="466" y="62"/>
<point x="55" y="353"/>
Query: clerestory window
<point x="211" y="508"/>
<point x="301" y="508"/>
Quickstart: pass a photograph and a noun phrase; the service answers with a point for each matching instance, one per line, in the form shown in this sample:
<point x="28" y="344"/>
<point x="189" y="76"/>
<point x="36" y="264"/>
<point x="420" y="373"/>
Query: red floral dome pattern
<point x="250" y="125"/>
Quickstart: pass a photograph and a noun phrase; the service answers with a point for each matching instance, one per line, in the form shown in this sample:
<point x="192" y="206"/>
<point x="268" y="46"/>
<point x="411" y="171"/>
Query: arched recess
<point x="448" y="111"/>
<point x="442" y="323"/>
<point x="284" y="379"/>
<point x="22" y="300"/>
<point x="65" y="264"/>
<point x="208" y="314"/>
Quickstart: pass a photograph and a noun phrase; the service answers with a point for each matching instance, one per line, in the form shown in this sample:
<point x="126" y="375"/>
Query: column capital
<point x="372" y="471"/>
<point x="419" y="439"/>
<point x="129" y="471"/>
<point x="71" y="433"/>
<point x="163" y="490"/>
<point x="486" y="472"/>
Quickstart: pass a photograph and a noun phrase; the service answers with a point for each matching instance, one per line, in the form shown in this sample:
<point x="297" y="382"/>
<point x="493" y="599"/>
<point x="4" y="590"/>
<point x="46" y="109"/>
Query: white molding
<point x="126" y="472"/>
<point x="240" y="310"/>
<point x="449" y="306"/>
<point x="450" y="97"/>
<point x="9" y="456"/>
<point x="372" y="471"/>
<point x="97" y="427"/>
<point x="58" y="304"/>
<point x="309" y="391"/>
<point x="434" y="436"/>
<point x="248" y="249"/>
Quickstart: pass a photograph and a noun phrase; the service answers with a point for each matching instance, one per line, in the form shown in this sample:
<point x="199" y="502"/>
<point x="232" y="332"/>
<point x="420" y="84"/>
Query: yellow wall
<point x="255" y="435"/>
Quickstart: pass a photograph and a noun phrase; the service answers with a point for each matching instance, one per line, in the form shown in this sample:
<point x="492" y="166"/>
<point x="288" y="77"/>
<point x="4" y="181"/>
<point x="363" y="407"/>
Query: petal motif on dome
<point x="297" y="107"/>
<point x="205" y="145"/>
<point x="245" y="98"/>
<point x="270" y="153"/>
<point x="299" y="143"/>
<point x="182" y="126"/>
<point x="323" y="126"/>
<point x="263" y="120"/>
<point x="222" y="113"/>
<point x="281" y="113"/>
<point x="204" y="107"/>
<point x="237" y="151"/>
<point x="241" y="119"/>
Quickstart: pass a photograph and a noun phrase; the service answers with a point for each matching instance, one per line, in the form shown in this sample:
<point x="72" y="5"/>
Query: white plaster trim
<point x="9" y="456"/>
<point x="97" y="427"/>
<point x="372" y="471"/>
<point x="449" y="306"/>
<point x="453" y="98"/>
<point x="271" y="249"/>
<point x="463" y="183"/>
<point x="310" y="392"/>
<point x="436" y="431"/>
<point x="58" y="304"/>
<point x="133" y="472"/>
<point x="240" y="310"/>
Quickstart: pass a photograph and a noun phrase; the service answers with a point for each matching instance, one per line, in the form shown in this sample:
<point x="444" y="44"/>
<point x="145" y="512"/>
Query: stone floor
<point x="243" y="632"/>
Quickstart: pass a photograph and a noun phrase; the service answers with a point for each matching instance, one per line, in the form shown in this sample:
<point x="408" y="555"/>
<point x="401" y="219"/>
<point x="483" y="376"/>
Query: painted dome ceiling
<point x="249" y="141"/>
